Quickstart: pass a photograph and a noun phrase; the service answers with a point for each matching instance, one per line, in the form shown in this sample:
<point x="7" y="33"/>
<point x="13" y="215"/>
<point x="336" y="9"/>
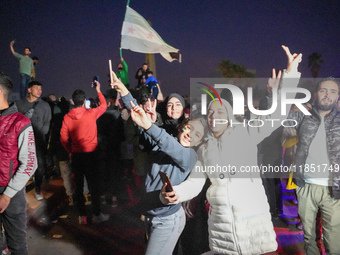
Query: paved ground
<point x="53" y="227"/>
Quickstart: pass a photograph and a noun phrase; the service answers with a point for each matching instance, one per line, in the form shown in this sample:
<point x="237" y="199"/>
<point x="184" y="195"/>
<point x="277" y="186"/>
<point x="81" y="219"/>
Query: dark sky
<point x="75" y="39"/>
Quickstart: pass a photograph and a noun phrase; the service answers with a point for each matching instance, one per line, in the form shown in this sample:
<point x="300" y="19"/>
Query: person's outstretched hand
<point x="293" y="60"/>
<point x="139" y="117"/>
<point x="151" y="111"/>
<point x="274" y="81"/>
<point x="118" y="85"/>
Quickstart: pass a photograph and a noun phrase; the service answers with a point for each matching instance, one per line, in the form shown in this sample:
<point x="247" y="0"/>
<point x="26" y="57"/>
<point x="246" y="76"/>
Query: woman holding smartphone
<point x="173" y="156"/>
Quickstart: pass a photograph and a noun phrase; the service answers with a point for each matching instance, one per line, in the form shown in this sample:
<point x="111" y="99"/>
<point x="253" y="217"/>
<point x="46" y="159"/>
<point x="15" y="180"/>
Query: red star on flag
<point x="150" y="35"/>
<point x="131" y="29"/>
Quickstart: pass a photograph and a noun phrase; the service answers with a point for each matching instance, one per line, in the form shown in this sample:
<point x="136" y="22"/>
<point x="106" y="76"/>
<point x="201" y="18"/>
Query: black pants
<point x="13" y="219"/>
<point x="85" y="164"/>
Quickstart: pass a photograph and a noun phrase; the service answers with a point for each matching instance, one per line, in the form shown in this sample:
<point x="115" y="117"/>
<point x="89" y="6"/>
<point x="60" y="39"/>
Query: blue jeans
<point x="25" y="79"/>
<point x="13" y="220"/>
<point x="163" y="232"/>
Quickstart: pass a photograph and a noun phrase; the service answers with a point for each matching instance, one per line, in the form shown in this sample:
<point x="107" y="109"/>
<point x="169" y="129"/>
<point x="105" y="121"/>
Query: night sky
<point x="75" y="39"/>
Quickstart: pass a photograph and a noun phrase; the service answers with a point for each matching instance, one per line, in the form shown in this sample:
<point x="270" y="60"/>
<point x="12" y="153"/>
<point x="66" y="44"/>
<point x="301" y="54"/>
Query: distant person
<point x="35" y="62"/>
<point x="140" y="74"/>
<point x="122" y="73"/>
<point x="39" y="112"/>
<point x="25" y="68"/>
<point x="17" y="153"/>
<point x="151" y="83"/>
<point x="78" y="135"/>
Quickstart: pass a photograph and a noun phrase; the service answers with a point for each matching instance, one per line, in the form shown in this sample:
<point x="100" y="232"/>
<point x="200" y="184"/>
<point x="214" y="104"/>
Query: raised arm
<point x="118" y="85"/>
<point x="11" y="46"/>
<point x="293" y="60"/>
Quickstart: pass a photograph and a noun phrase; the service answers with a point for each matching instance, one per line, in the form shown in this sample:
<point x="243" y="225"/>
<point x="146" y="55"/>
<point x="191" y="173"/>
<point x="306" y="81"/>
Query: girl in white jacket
<point x="239" y="218"/>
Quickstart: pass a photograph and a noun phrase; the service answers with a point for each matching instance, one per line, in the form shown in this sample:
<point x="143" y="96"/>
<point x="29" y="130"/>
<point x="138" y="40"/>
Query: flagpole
<point x="120" y="52"/>
<point x="128" y="2"/>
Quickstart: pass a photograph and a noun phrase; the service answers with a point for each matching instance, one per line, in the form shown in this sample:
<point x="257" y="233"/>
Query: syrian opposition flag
<point x="139" y="36"/>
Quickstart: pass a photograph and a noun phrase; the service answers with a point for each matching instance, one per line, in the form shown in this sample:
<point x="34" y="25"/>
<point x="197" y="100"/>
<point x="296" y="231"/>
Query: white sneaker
<point x="38" y="196"/>
<point x="82" y="220"/>
<point x="100" y="218"/>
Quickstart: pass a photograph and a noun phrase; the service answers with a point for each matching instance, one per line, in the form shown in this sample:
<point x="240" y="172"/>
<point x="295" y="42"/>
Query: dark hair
<point x="27" y="48"/>
<point x="146" y="98"/>
<point x="327" y="79"/>
<point x="144" y="64"/>
<point x="149" y="72"/>
<point x="78" y="97"/>
<point x="35" y="58"/>
<point x="112" y="94"/>
<point x="183" y="124"/>
<point x="32" y="83"/>
<point x="6" y="84"/>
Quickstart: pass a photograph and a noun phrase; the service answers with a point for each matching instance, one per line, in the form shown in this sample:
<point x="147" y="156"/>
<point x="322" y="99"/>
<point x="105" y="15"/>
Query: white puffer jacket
<point x="239" y="219"/>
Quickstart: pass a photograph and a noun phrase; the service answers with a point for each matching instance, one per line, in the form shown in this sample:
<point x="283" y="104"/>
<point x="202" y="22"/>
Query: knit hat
<point x="179" y="97"/>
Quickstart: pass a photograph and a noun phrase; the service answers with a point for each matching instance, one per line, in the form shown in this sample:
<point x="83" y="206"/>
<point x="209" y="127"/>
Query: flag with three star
<point x="139" y="36"/>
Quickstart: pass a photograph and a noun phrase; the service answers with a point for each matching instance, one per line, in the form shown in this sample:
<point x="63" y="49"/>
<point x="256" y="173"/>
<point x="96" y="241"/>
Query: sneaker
<point x="70" y="201"/>
<point x="82" y="220"/>
<point x="100" y="218"/>
<point x="38" y="196"/>
<point x="87" y="201"/>
<point x="5" y="252"/>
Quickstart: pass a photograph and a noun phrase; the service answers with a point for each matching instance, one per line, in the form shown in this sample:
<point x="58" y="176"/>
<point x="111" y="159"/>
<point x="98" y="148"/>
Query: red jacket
<point x="12" y="124"/>
<point x="79" y="130"/>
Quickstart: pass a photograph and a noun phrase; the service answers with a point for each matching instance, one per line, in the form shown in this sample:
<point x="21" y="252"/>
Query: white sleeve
<point x="27" y="162"/>
<point x="192" y="186"/>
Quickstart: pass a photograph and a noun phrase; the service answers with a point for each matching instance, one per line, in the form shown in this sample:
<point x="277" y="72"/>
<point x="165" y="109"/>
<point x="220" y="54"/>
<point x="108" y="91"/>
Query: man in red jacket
<point x="78" y="135"/>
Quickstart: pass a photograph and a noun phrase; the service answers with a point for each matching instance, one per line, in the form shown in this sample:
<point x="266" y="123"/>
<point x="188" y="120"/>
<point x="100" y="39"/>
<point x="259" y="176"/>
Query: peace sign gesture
<point x="293" y="60"/>
<point x="150" y="110"/>
<point x="274" y="81"/>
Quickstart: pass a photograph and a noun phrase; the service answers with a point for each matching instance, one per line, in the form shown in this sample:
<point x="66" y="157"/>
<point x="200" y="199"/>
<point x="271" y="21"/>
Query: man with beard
<point x="317" y="172"/>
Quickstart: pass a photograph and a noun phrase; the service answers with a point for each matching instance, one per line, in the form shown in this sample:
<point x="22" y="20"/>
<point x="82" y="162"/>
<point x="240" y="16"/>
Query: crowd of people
<point x="128" y="132"/>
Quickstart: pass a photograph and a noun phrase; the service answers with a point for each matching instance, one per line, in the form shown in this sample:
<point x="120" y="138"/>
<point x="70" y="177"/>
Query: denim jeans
<point x="163" y="232"/>
<point x="13" y="220"/>
<point x="25" y="79"/>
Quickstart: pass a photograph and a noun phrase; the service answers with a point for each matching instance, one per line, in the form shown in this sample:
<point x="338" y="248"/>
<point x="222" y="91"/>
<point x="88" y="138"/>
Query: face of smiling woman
<point x="174" y="108"/>
<point x="217" y="111"/>
<point x="191" y="134"/>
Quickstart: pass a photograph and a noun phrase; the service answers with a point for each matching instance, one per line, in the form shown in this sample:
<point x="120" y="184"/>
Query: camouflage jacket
<point x="307" y="127"/>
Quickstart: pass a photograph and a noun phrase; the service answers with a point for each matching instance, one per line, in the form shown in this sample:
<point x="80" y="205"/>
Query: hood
<point x="76" y="113"/>
<point x="10" y="110"/>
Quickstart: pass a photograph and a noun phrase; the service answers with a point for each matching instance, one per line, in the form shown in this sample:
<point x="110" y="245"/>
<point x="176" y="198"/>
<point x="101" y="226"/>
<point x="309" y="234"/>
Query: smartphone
<point x="95" y="79"/>
<point x="165" y="179"/>
<point x="87" y="104"/>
